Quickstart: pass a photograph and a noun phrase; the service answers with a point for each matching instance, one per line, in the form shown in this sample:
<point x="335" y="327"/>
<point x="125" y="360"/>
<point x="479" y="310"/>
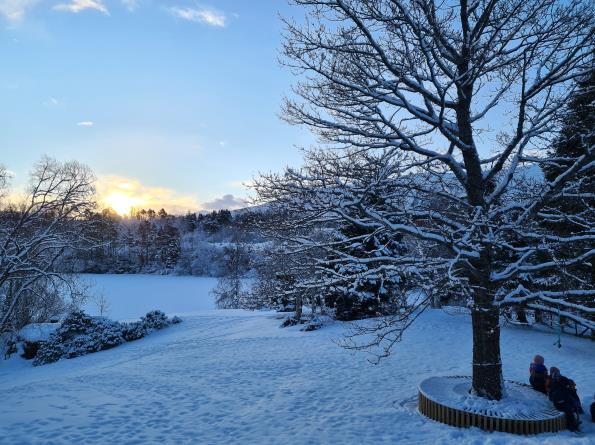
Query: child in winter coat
<point x="538" y="374"/>
<point x="562" y="392"/>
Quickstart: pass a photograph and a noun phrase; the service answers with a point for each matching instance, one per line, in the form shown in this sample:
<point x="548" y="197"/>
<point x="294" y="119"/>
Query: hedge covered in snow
<point x="81" y="334"/>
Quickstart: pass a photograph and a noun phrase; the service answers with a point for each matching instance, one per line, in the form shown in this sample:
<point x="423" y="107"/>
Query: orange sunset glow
<point x="123" y="195"/>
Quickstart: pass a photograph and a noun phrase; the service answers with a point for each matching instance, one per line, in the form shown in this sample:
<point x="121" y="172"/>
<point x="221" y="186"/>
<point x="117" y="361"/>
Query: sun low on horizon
<point x="90" y="81"/>
<point x="122" y="203"/>
<point x="125" y="195"/>
<point x="121" y="198"/>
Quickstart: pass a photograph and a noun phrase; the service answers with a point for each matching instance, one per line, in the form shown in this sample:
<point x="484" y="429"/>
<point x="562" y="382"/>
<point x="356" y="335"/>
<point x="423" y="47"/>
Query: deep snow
<point x="235" y="377"/>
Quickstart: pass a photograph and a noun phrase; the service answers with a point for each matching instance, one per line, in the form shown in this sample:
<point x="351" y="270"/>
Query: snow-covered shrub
<point x="108" y="333"/>
<point x="134" y="331"/>
<point x="292" y="321"/>
<point x="48" y="352"/>
<point x="80" y="334"/>
<point x="312" y="326"/>
<point x="316" y="322"/>
<point x="30" y="337"/>
<point x="155" y="320"/>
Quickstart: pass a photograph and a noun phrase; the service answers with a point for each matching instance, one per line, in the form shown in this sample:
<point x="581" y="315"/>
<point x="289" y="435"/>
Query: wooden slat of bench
<point x="527" y="423"/>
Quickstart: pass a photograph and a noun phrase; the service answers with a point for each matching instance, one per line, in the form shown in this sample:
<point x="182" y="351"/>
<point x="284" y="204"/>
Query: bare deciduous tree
<point x="443" y="107"/>
<point x="103" y="304"/>
<point x="38" y="230"/>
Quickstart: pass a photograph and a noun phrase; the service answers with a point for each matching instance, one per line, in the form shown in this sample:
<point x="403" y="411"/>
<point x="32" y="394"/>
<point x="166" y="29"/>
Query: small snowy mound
<point x="519" y="402"/>
<point x="35" y="332"/>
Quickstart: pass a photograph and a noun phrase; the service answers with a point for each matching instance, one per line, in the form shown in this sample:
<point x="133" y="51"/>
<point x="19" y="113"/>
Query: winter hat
<point x="538" y="360"/>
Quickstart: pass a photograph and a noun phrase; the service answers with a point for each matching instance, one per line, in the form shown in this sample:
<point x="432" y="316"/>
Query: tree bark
<point x="298" y="307"/>
<point x="487" y="366"/>
<point x="485" y="318"/>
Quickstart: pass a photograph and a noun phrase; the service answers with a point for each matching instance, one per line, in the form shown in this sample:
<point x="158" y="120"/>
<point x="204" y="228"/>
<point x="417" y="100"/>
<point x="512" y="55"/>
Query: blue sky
<point x="174" y="100"/>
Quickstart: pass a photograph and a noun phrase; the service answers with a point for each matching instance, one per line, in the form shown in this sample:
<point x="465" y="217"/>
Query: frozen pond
<point x="131" y="296"/>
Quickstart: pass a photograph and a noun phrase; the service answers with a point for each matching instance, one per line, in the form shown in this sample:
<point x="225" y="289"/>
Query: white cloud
<point x="76" y="6"/>
<point x="230" y="202"/>
<point x="85" y="123"/>
<point x="131" y="5"/>
<point x="207" y="16"/>
<point x="15" y="10"/>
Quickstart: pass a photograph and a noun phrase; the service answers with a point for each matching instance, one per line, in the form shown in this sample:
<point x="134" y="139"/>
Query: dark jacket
<point x="563" y="394"/>
<point x="538" y="377"/>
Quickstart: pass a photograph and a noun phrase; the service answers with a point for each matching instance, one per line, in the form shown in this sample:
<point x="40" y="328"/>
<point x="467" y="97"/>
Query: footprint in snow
<point x="407" y="405"/>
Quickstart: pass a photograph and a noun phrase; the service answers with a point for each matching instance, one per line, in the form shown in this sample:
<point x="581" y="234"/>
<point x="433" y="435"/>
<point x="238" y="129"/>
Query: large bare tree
<point x="443" y="107"/>
<point x="37" y="229"/>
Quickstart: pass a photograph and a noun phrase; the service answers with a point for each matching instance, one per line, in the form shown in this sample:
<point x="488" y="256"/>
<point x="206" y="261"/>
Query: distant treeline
<point x="157" y="242"/>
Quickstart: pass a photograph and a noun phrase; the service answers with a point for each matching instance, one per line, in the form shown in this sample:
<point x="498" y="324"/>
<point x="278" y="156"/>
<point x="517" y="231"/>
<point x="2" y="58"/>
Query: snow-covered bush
<point x="292" y="321"/>
<point x="80" y="334"/>
<point x="155" y="320"/>
<point x="32" y="335"/>
<point x="48" y="352"/>
<point x="134" y="331"/>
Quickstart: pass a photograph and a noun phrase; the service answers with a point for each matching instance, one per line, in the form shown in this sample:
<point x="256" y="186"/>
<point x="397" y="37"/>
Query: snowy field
<point x="132" y="296"/>
<point x="234" y="377"/>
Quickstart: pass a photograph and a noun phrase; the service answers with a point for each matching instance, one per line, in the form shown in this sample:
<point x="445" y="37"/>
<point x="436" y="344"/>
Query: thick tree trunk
<point x="485" y="316"/>
<point x="487" y="366"/>
<point x="298" y="307"/>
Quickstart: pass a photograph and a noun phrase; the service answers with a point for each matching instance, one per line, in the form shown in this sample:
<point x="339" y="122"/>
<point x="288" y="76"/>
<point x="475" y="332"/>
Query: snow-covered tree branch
<point x="434" y="120"/>
<point x="36" y="231"/>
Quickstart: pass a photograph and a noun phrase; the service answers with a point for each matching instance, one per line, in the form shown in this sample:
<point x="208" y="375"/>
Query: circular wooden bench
<point x="522" y="411"/>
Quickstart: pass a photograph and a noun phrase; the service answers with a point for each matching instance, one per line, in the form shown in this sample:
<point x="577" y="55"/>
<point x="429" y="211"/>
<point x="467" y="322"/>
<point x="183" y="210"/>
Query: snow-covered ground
<point x="234" y="377"/>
